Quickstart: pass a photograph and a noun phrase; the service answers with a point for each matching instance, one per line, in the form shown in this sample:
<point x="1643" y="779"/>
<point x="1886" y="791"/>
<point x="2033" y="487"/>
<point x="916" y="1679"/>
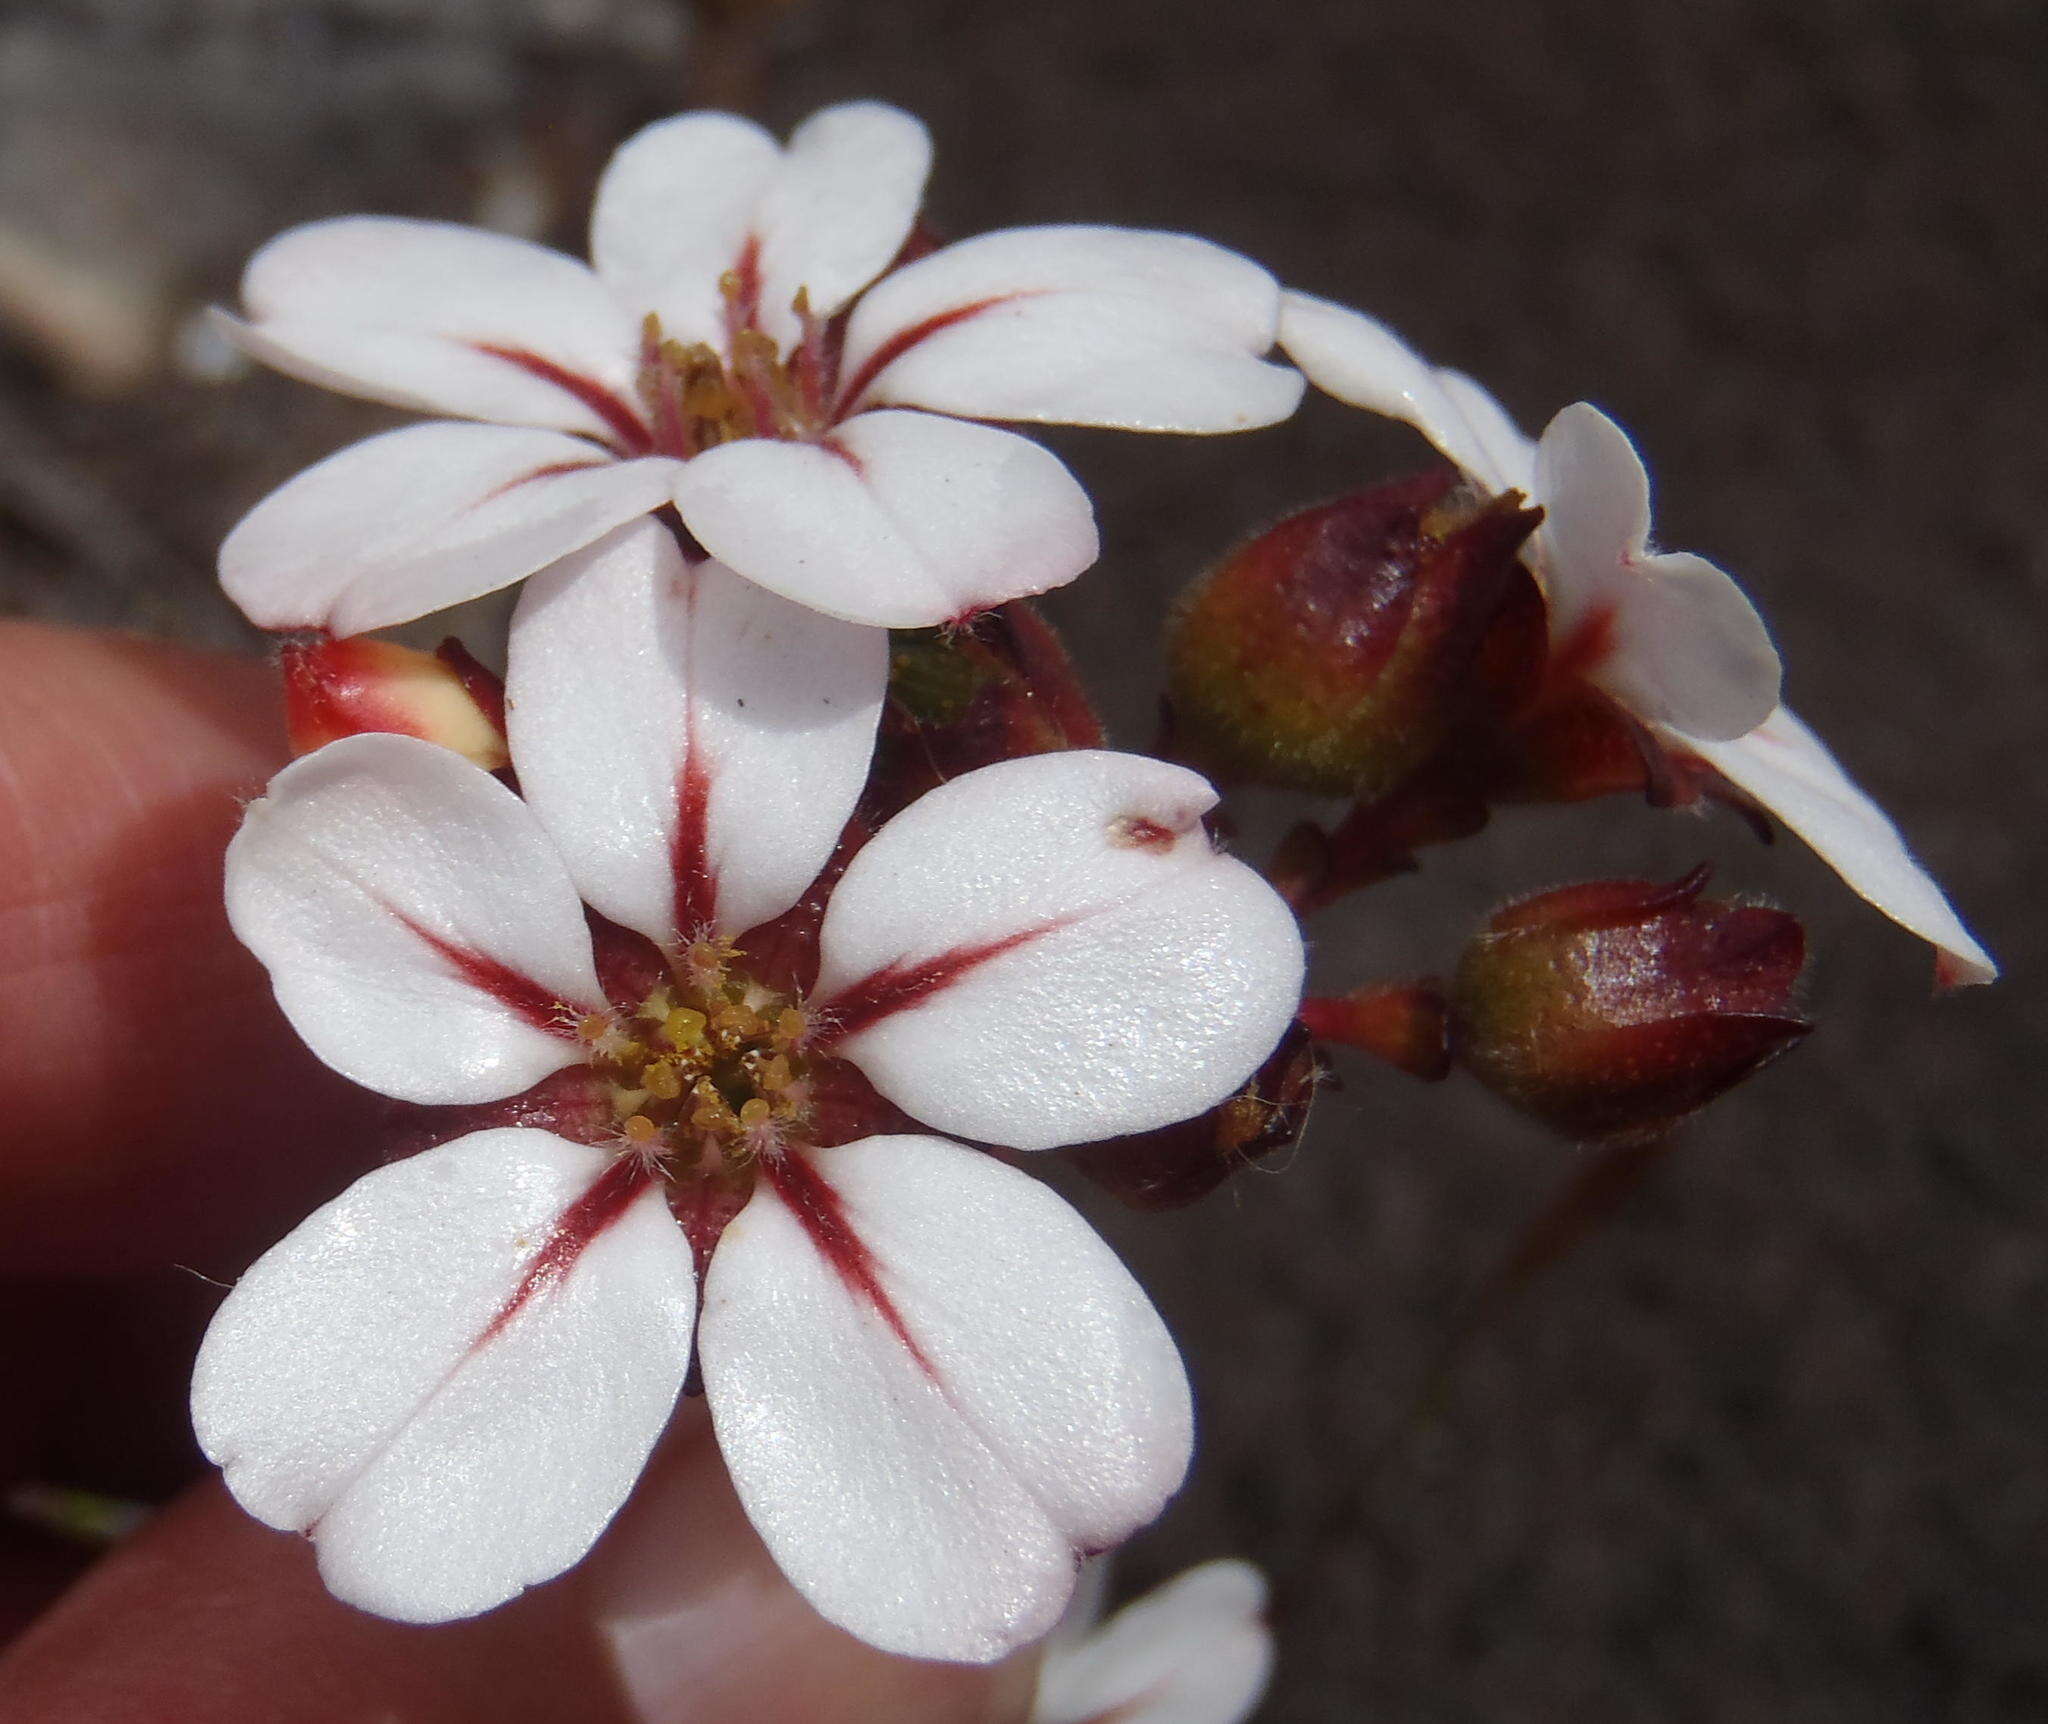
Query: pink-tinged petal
<point x="451" y="1376"/>
<point x="1681" y="643"/>
<point x="936" y="1389"/>
<point x="1195" y="1651"/>
<point x="693" y="743"/>
<point x="674" y="212"/>
<point x="446" y="319"/>
<point x="416" y="520"/>
<point x="898" y="520"/>
<point x="1075" y="325"/>
<point x="1789" y="770"/>
<point x="838" y="209"/>
<point x="421" y="933"/>
<point x="1050" y="951"/>
<point x="1359" y="360"/>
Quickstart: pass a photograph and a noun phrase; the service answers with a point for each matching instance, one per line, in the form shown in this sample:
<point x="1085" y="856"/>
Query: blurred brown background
<point x="1771" y="1446"/>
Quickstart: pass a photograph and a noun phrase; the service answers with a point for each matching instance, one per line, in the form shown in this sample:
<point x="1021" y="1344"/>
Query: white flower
<point x="739" y="347"/>
<point x="1668" y="635"/>
<point x="932" y="1383"/>
<point x="1194" y="1651"/>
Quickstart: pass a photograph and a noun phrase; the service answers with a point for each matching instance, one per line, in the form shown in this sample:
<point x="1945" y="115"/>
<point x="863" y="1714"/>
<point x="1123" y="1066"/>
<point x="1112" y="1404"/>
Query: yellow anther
<point x="754" y="1114"/>
<point x="640" y="1131"/>
<point x="735" y="1023"/>
<point x="775" y="1075"/>
<point x="593" y="1026"/>
<point x="790" y="1027"/>
<point x="683" y="1028"/>
<point x="662" y="1081"/>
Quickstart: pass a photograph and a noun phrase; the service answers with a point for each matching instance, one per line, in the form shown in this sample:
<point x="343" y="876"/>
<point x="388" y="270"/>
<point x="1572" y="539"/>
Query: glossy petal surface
<point x="694" y="743"/>
<point x="1076" y="325"/>
<point x="900" y="520"/>
<point x="445" y="319"/>
<point x="1789" y="770"/>
<point x="1050" y="951"/>
<point x="420" y="931"/>
<point x="422" y="518"/>
<point x="451" y="1376"/>
<point x="935" y="1387"/>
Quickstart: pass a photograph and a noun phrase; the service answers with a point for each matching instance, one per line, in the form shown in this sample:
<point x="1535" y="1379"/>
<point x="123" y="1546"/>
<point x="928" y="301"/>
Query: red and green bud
<point x="965" y="698"/>
<point x="337" y="688"/>
<point x="1611" y="1010"/>
<point x="1177" y="1164"/>
<point x="1337" y="652"/>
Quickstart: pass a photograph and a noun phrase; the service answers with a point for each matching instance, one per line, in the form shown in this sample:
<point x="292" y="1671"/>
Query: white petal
<point x="693" y="743"/>
<point x="1503" y="457"/>
<point x="1687" y="648"/>
<point x="1195" y="1651"/>
<point x="446" y="319"/>
<point x="416" y="520"/>
<point x="451" y="1376"/>
<point x="936" y="1389"/>
<point x="1076" y="325"/>
<point x="417" y="924"/>
<point x="838" y="209"/>
<point x="900" y="520"/>
<point x="673" y="213"/>
<point x="1788" y="769"/>
<point x="1361" y="361"/>
<point x="1596" y="499"/>
<point x="1690" y="650"/>
<point x="1049" y="951"/>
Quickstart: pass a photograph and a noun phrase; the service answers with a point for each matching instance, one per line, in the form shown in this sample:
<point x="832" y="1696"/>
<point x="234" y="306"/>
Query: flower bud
<point x="1611" y="1010"/>
<point x="337" y="688"/>
<point x="963" y="698"/>
<point x="1337" y="651"/>
<point x="1173" y="1166"/>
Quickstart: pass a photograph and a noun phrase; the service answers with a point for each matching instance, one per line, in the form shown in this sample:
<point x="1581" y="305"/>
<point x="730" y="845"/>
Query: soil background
<point x="1771" y="1445"/>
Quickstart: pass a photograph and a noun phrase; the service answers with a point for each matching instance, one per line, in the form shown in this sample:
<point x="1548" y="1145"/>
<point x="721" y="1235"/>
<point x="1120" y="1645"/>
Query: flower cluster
<point x="733" y="953"/>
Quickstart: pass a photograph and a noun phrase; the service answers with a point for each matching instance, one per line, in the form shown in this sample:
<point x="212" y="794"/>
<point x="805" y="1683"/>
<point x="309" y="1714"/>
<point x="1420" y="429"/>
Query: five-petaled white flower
<point x="1668" y="635"/>
<point x="1194" y="1651"/>
<point x="934" y="1386"/>
<point x="742" y="348"/>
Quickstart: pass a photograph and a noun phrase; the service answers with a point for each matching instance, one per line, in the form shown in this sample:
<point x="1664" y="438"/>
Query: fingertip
<point x="144" y="1054"/>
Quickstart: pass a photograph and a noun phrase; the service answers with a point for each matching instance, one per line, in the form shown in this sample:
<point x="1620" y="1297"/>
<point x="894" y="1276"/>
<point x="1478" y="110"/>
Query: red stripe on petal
<point x="817" y="1206"/>
<point x="905" y="339"/>
<point x="624" y="424"/>
<point x="900" y="986"/>
<point x="512" y="990"/>
<point x="576" y="1229"/>
<point x="696" y="880"/>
